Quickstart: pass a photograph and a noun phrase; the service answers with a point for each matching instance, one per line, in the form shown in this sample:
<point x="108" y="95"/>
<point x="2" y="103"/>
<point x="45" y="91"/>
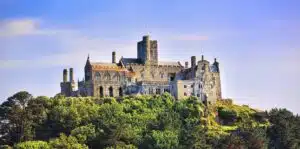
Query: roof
<point x="127" y="61"/>
<point x="169" y="63"/>
<point x="106" y="66"/>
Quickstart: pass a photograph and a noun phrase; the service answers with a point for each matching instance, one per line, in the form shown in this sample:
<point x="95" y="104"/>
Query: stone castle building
<point x="146" y="75"/>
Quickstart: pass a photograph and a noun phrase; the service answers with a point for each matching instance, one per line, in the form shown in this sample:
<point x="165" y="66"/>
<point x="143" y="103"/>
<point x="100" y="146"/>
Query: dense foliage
<point x="148" y="122"/>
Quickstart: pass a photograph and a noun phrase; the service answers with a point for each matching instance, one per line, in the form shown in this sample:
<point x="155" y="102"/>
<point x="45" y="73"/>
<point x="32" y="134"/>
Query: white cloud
<point x="73" y="45"/>
<point x="18" y="27"/>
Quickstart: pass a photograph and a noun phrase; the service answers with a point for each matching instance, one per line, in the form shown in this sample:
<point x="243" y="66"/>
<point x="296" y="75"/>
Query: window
<point x="161" y="75"/>
<point x="111" y="94"/>
<point x="192" y="86"/>
<point x="120" y="92"/>
<point x="158" y="91"/>
<point x="97" y="76"/>
<point x="185" y="94"/>
<point x="150" y="90"/>
<point x="198" y="95"/>
<point x="166" y="90"/>
<point x="185" y="86"/>
<point x="200" y="86"/>
<point x="101" y="91"/>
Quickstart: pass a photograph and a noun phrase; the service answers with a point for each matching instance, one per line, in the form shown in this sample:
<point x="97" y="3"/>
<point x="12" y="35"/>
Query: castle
<point x="146" y="75"/>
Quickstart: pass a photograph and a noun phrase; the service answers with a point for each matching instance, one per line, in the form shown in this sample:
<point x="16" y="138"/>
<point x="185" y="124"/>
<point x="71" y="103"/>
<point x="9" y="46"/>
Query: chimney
<point x="71" y="75"/>
<point x="186" y="64"/>
<point x="65" y="75"/>
<point x="113" y="57"/>
<point x="202" y="57"/>
<point x="193" y="61"/>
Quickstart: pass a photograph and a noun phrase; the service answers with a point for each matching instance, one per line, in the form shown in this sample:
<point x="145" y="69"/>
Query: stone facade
<point x="146" y="75"/>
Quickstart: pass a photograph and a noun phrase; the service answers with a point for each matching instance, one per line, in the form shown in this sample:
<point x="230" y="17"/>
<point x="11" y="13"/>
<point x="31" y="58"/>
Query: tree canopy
<point x="147" y="122"/>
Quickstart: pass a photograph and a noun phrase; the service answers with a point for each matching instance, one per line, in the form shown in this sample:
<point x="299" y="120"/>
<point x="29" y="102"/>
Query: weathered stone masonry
<point x="146" y="75"/>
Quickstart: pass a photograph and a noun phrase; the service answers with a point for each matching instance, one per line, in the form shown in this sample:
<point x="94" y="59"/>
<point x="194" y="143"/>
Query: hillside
<point x="159" y="122"/>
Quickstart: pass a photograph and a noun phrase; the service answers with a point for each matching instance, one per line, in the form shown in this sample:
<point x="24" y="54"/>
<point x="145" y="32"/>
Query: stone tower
<point x="147" y="51"/>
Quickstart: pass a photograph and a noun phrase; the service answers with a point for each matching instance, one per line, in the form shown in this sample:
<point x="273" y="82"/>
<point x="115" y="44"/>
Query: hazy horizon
<point x="256" y="42"/>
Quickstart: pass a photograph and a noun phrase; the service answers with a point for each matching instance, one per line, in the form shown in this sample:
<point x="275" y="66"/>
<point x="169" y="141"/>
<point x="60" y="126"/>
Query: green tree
<point x="16" y="122"/>
<point x="66" y="142"/>
<point x="32" y="145"/>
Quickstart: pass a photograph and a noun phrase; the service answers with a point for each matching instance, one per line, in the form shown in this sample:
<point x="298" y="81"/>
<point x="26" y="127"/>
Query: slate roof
<point x="127" y="61"/>
<point x="169" y="63"/>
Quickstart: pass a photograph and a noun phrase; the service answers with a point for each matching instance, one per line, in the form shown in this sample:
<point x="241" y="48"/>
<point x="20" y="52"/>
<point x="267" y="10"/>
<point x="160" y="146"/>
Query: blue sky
<point x="257" y="42"/>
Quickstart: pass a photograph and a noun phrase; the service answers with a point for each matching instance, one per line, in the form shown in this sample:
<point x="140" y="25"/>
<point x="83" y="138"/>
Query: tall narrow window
<point x="120" y="92"/>
<point x="111" y="93"/>
<point x="101" y="91"/>
<point x="150" y="90"/>
<point x="158" y="91"/>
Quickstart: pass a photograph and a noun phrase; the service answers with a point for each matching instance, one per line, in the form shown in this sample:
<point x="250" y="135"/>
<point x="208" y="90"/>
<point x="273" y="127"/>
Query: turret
<point x="147" y="50"/>
<point x="216" y="65"/>
<point x="113" y="57"/>
<point x="87" y="69"/>
<point x="186" y="64"/>
<point x="71" y="75"/>
<point x="193" y="61"/>
<point x="65" y="75"/>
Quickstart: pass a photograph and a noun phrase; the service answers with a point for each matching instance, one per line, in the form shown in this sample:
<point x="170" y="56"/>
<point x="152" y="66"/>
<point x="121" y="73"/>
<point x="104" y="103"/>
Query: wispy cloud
<point x="73" y="45"/>
<point x="19" y="27"/>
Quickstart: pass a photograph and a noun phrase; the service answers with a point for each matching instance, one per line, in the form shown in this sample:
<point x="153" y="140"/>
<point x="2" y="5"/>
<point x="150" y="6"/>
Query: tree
<point x="66" y="142"/>
<point x="32" y="145"/>
<point x="16" y="122"/>
<point x="285" y="129"/>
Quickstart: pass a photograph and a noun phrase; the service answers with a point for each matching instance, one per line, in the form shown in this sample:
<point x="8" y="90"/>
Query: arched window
<point x="107" y="76"/>
<point x="117" y="76"/>
<point x="97" y="76"/>
<point x="111" y="93"/>
<point x="120" y="92"/>
<point x="162" y="75"/>
<point x="101" y="91"/>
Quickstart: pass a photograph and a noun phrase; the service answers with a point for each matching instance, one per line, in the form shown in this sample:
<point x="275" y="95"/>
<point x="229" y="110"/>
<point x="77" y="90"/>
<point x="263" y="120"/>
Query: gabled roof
<point x="168" y="63"/>
<point x="106" y="66"/>
<point x="127" y="61"/>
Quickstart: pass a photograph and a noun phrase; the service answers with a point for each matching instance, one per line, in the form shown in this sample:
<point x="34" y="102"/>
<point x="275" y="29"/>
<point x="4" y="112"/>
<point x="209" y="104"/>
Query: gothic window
<point x="161" y="75"/>
<point x="150" y="90"/>
<point x="153" y="74"/>
<point x="97" y="76"/>
<point x="166" y="90"/>
<point x="101" y="91"/>
<point x="117" y="76"/>
<point x="120" y="92"/>
<point x="158" y="91"/>
<point x="111" y="93"/>
<point x="107" y="76"/>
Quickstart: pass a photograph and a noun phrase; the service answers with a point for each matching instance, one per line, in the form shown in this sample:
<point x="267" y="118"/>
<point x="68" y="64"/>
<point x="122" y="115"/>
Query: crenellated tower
<point x="147" y="51"/>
